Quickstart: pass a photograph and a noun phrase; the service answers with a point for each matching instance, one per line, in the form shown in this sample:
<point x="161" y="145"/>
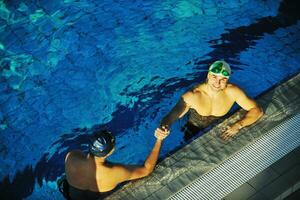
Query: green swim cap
<point x="220" y="68"/>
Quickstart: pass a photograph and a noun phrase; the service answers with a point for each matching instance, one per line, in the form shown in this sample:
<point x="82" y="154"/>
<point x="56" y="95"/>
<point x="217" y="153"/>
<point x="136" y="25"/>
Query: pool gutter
<point x="245" y="164"/>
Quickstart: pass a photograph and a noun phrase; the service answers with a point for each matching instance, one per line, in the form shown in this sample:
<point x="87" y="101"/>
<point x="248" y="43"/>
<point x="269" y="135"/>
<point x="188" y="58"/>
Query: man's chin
<point x="217" y="88"/>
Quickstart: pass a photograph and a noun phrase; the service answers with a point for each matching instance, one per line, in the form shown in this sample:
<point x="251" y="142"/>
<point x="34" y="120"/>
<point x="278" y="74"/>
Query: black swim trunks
<point x="72" y="193"/>
<point x="196" y="124"/>
<point x="78" y="194"/>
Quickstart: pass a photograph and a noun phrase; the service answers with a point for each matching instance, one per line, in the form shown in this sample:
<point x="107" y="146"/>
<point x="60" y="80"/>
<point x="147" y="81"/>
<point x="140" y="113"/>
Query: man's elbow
<point x="139" y="173"/>
<point x="148" y="172"/>
<point x="148" y="169"/>
<point x="142" y="173"/>
<point x="258" y="112"/>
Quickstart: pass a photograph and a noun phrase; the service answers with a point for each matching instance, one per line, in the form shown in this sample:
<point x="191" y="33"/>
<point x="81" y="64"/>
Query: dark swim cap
<point x="103" y="143"/>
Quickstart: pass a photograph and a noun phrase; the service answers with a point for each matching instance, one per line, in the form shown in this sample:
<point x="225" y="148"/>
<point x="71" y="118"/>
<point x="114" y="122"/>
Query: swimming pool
<point x="70" y="67"/>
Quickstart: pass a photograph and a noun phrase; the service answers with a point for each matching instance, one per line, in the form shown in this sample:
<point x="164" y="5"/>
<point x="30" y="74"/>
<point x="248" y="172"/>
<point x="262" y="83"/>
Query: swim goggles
<point x="217" y="68"/>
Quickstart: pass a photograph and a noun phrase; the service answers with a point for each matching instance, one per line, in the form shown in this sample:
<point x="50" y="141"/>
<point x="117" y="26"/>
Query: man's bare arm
<point x="176" y="112"/>
<point x="179" y="110"/>
<point x="250" y="118"/>
<point x="254" y="111"/>
<point x="253" y="114"/>
<point x="123" y="173"/>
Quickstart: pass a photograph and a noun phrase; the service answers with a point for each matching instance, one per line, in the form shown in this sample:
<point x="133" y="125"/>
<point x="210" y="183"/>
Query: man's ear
<point x="207" y="77"/>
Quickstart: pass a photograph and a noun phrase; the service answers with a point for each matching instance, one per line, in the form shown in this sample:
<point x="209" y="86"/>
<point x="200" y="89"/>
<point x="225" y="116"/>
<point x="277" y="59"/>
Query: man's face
<point x="217" y="83"/>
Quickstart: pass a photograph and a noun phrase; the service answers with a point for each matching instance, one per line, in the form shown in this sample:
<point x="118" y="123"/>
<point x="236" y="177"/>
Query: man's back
<point x="91" y="177"/>
<point x="81" y="171"/>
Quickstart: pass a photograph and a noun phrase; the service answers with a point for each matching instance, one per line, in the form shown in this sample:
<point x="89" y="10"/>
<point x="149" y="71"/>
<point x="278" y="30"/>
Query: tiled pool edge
<point x="208" y="151"/>
<point x="244" y="165"/>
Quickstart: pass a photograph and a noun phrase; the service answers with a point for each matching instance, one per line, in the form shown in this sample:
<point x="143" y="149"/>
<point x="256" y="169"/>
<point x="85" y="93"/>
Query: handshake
<point x="161" y="133"/>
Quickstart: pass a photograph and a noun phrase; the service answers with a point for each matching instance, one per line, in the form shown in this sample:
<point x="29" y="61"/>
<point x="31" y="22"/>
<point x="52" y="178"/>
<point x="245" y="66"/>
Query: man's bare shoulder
<point x="75" y="154"/>
<point x="198" y="89"/>
<point x="75" y="157"/>
<point x="192" y="95"/>
<point x="234" y="89"/>
<point x="195" y="91"/>
<point x="235" y="92"/>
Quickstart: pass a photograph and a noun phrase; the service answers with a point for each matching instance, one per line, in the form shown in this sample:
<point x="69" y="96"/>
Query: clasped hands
<point x="161" y="133"/>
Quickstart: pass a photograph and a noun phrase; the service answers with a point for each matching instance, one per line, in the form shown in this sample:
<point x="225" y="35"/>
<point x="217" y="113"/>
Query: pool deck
<point x="279" y="181"/>
<point x="171" y="175"/>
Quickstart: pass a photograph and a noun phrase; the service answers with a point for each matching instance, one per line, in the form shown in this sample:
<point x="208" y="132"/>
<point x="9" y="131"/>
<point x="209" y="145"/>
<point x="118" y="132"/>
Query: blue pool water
<point x="71" y="67"/>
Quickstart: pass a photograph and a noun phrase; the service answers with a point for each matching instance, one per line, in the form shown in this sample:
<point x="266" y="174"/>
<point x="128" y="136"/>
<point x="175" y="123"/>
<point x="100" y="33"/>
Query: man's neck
<point x="98" y="160"/>
<point x="210" y="91"/>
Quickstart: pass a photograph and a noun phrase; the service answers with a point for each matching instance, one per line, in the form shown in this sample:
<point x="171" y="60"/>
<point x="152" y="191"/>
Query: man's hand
<point x="161" y="133"/>
<point x="230" y="131"/>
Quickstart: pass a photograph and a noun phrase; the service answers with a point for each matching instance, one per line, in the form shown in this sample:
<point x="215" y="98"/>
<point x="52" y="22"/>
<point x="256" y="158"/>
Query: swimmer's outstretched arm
<point x="124" y="173"/>
<point x="152" y="159"/>
<point x="177" y="112"/>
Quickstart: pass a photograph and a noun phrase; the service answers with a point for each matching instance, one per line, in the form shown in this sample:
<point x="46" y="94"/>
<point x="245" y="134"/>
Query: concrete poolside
<point x="279" y="181"/>
<point x="207" y="152"/>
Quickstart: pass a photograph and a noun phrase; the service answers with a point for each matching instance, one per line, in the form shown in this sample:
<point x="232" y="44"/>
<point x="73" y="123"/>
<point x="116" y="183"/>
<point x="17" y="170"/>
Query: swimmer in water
<point x="211" y="100"/>
<point x="92" y="177"/>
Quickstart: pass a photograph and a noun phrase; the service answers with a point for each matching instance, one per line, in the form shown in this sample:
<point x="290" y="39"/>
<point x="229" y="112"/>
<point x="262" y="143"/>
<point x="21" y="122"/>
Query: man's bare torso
<point x="206" y="105"/>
